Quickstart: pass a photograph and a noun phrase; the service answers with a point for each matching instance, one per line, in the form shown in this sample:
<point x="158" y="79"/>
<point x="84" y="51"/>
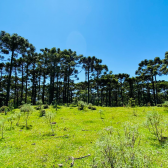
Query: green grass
<point x="77" y="134"/>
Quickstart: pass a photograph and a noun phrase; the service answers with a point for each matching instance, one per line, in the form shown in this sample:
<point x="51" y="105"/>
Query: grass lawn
<point x="76" y="134"/>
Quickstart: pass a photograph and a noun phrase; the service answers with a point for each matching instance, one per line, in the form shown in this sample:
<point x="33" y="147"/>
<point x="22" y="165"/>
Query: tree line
<point x="27" y="76"/>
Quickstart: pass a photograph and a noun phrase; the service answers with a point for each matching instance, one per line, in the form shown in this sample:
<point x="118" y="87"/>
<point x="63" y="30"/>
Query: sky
<point x="120" y="32"/>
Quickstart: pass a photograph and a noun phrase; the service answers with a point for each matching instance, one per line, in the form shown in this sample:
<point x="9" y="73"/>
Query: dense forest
<point x="52" y="76"/>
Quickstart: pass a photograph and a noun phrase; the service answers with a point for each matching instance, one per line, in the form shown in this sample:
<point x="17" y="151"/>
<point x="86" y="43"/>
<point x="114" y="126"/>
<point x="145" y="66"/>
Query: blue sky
<point x="120" y="32"/>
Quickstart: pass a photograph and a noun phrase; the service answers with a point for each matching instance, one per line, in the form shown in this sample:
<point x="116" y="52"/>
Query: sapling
<point x="18" y="116"/>
<point x="26" y="109"/>
<point x="11" y="119"/>
<point x="2" y="122"/>
<point x="49" y="118"/>
<point x="101" y="114"/>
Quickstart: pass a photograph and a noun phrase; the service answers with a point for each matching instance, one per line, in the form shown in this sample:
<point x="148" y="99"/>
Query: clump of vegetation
<point x="11" y="120"/>
<point x="4" y="109"/>
<point x="159" y="105"/>
<point x="165" y="105"/>
<point x="18" y="116"/>
<point x="45" y="106"/>
<point x="123" y="151"/>
<point x="90" y="106"/>
<point x="26" y="109"/>
<point x="39" y="103"/>
<point x="156" y="125"/>
<point x="131" y="102"/>
<point x="101" y="114"/>
<point x="93" y="108"/>
<point x="2" y="123"/>
<point x="135" y="112"/>
<point x="82" y="105"/>
<point x="42" y="113"/>
<point x="50" y="116"/>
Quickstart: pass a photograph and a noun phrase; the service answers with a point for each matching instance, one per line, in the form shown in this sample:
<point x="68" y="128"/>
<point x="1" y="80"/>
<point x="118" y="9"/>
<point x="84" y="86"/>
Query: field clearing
<point x="76" y="134"/>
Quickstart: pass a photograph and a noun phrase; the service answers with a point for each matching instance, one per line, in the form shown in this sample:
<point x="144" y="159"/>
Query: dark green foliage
<point x="131" y="102"/>
<point x="45" y="106"/>
<point x="93" y="108"/>
<point x="38" y="108"/>
<point x="42" y="113"/>
<point x="159" y="105"/>
<point x="3" y="108"/>
<point x="89" y="105"/>
<point x="82" y="105"/>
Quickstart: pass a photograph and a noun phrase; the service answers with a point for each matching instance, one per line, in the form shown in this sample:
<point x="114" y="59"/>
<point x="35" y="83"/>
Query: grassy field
<point x="77" y="134"/>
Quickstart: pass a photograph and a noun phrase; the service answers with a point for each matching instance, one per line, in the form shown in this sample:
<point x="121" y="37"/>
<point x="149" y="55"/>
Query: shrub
<point x="49" y="116"/>
<point x="90" y="106"/>
<point x="3" y="108"/>
<point x="156" y="125"/>
<point x="93" y="108"/>
<point x="45" y="106"/>
<point x="27" y="109"/>
<point x="11" y="120"/>
<point x="2" y="122"/>
<point x="131" y="102"/>
<point x="165" y="105"/>
<point x="82" y="105"/>
<point x="38" y="108"/>
<point x="123" y="150"/>
<point x="42" y="113"/>
<point x="159" y="105"/>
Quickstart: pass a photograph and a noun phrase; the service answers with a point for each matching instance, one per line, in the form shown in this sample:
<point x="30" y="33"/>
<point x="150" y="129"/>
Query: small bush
<point x="42" y="113"/>
<point x="156" y="125"/>
<point x="159" y="105"/>
<point x="27" y="109"/>
<point x="131" y="102"/>
<point x="82" y="105"/>
<point x="45" y="106"/>
<point x="165" y="105"/>
<point x="3" y="108"/>
<point x="90" y="106"/>
<point x="38" y="108"/>
<point x="93" y="108"/>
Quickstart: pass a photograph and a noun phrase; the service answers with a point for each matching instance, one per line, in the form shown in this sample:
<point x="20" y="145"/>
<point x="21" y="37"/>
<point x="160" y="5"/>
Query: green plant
<point x="45" y="106"/>
<point x="50" y="116"/>
<point x="82" y="105"/>
<point x="165" y="105"/>
<point x="101" y="114"/>
<point x="135" y="112"/>
<point x="39" y="103"/>
<point x="26" y="109"/>
<point x="4" y="109"/>
<point x="11" y="120"/>
<point x="159" y="105"/>
<point x="2" y="122"/>
<point x="11" y="105"/>
<point x="131" y="102"/>
<point x="18" y="116"/>
<point x="156" y="125"/>
<point x="42" y="113"/>
<point x="93" y="108"/>
<point x="90" y="106"/>
<point x="123" y="150"/>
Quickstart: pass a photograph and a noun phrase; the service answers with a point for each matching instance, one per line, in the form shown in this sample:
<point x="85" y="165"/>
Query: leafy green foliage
<point x="131" y="102"/>
<point x="26" y="109"/>
<point x="2" y="123"/>
<point x="45" y="106"/>
<point x="82" y="105"/>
